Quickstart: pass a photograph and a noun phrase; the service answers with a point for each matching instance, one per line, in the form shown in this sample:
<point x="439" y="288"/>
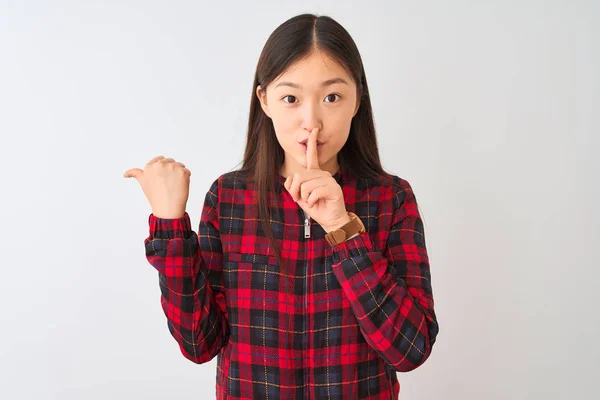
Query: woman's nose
<point x="311" y="118"/>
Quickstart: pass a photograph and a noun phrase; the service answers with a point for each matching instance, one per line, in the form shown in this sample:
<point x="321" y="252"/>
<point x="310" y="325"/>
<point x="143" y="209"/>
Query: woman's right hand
<point x="166" y="184"/>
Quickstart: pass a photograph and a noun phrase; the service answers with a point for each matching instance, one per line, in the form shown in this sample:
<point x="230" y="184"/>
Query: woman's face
<point x="313" y="92"/>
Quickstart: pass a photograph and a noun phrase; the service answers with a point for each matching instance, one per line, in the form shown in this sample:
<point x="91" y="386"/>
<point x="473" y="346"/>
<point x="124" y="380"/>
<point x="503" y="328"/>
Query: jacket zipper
<point x="307" y="221"/>
<point x="306" y="225"/>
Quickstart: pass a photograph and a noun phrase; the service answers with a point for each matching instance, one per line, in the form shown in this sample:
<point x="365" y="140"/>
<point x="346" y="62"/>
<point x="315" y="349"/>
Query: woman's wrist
<point x="338" y="225"/>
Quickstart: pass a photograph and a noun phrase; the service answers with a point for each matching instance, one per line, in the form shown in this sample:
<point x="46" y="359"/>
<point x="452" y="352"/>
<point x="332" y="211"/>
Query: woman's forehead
<point x="315" y="71"/>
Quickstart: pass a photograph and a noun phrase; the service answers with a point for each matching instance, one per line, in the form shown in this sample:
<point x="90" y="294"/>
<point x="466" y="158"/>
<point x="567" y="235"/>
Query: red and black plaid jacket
<point x="356" y="312"/>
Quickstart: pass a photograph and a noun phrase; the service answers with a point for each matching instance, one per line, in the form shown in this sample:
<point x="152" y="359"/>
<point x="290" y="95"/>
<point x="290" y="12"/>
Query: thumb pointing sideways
<point x="133" y="173"/>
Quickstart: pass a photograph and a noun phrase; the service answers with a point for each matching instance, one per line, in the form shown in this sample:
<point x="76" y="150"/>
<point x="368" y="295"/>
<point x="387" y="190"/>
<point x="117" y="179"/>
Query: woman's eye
<point x="292" y="99"/>
<point x="329" y="96"/>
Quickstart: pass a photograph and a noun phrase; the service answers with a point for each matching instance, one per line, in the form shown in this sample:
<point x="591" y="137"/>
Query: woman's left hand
<point x="317" y="192"/>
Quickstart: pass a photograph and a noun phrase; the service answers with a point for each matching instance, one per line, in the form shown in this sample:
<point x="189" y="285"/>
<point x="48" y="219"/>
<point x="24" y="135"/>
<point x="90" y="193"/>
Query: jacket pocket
<point x="246" y="271"/>
<point x="260" y="310"/>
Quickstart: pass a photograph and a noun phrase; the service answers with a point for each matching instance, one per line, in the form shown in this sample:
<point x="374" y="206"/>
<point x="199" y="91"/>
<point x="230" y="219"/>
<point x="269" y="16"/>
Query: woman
<point x="309" y="276"/>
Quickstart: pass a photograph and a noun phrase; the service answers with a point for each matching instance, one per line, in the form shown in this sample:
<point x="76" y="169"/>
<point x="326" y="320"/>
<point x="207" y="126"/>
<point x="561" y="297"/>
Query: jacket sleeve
<point x="390" y="291"/>
<point x="187" y="265"/>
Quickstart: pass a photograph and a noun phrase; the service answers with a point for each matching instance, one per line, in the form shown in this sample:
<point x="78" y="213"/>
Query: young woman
<point x="309" y="276"/>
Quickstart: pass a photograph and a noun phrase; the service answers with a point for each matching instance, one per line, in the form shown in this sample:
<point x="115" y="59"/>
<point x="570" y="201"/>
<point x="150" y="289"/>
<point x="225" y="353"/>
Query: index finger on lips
<point x="312" y="155"/>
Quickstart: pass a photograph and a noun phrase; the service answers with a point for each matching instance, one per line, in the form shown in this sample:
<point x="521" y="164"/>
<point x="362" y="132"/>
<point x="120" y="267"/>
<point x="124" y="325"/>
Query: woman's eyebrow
<point x="323" y="84"/>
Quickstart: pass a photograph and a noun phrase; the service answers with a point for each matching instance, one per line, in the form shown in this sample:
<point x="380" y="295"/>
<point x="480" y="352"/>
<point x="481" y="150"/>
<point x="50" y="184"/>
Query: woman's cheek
<point x="285" y="139"/>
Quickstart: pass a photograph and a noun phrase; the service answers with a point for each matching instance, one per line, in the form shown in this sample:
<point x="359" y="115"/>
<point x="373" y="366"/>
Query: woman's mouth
<point x="305" y="146"/>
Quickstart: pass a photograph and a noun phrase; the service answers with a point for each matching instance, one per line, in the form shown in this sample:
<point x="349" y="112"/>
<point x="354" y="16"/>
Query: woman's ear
<point x="357" y="107"/>
<point x="262" y="97"/>
<point x="358" y="97"/>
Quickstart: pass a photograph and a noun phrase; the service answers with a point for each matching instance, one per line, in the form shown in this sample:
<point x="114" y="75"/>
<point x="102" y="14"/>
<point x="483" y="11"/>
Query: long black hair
<point x="293" y="40"/>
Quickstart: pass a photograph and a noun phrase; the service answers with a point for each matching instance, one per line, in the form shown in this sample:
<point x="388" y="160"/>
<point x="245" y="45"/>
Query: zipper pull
<point x="306" y="226"/>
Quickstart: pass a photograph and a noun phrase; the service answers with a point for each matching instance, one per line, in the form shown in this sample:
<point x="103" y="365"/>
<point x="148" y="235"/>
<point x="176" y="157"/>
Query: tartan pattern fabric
<point x="353" y="314"/>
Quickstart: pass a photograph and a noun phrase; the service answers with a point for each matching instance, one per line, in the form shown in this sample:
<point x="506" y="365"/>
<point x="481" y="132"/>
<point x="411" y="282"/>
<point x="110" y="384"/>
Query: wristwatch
<point x="346" y="231"/>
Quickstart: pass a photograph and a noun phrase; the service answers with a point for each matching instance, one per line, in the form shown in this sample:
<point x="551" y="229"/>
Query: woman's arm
<point x="390" y="292"/>
<point x="185" y="263"/>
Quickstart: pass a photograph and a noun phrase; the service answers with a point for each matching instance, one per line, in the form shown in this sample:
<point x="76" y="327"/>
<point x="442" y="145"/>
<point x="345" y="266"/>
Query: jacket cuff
<point x="163" y="228"/>
<point x="358" y="246"/>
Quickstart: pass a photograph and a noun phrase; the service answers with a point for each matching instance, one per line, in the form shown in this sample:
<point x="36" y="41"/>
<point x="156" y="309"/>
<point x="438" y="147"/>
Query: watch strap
<point x="340" y="235"/>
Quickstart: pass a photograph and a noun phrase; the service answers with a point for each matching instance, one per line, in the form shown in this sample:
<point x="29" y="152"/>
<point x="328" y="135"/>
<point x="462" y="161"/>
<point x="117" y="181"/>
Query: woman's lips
<point x="305" y="146"/>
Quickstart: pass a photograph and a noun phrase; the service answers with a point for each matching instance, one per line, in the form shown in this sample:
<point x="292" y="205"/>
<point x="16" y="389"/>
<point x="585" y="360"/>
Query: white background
<point x="489" y="110"/>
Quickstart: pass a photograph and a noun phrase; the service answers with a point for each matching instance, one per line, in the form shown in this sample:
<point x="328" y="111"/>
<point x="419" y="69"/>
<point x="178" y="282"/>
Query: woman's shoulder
<point x="236" y="179"/>
<point x="395" y="188"/>
<point x="223" y="184"/>
<point x="385" y="180"/>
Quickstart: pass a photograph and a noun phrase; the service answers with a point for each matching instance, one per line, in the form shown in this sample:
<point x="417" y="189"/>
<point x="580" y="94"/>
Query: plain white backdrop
<point x="489" y="109"/>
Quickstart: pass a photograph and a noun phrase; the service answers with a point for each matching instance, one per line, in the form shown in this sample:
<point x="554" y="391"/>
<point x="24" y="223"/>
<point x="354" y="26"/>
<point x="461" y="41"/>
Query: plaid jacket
<point x="355" y="314"/>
